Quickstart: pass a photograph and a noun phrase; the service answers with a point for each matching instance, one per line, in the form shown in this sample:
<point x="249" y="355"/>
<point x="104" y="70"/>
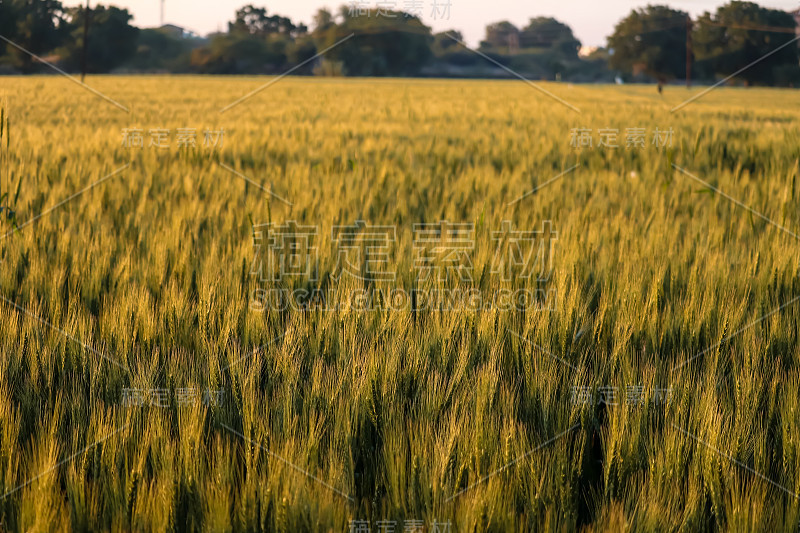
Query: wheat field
<point x="144" y="386"/>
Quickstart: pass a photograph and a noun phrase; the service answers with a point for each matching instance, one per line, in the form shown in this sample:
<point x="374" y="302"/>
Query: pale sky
<point x="591" y="20"/>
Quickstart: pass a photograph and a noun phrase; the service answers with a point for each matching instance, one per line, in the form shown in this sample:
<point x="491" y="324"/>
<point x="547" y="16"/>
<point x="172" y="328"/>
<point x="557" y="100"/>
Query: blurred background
<point x="577" y="41"/>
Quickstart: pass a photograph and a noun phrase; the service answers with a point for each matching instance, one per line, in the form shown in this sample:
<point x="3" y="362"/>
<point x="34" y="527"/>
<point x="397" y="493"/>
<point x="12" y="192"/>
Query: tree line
<point x="651" y="43"/>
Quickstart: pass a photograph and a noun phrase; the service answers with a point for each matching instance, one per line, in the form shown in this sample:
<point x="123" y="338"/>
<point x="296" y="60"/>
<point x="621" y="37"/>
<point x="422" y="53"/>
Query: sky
<point x="591" y="20"/>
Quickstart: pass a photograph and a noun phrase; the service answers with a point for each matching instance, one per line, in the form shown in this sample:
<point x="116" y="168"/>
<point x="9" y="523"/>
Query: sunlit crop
<point x="675" y="273"/>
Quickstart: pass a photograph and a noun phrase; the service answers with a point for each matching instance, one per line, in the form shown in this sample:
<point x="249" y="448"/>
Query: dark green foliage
<point x="724" y="44"/>
<point x="651" y="40"/>
<point x="112" y="39"/>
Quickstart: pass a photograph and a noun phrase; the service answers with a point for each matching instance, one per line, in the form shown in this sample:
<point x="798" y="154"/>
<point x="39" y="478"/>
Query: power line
<point x="683" y="21"/>
<point x="754" y="27"/>
<point x="690" y="25"/>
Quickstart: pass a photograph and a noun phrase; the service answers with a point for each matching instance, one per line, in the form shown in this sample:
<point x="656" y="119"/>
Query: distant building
<point x="177" y="31"/>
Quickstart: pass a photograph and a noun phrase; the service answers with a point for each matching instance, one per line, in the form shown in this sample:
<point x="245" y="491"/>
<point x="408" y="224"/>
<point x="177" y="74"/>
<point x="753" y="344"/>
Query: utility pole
<point x="85" y="41"/>
<point x="162" y="13"/>
<point x="688" y="51"/>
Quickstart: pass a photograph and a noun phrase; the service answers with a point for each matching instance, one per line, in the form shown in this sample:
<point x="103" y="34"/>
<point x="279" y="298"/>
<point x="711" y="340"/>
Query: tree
<point x="8" y="18"/>
<point x="550" y="34"/>
<point x="724" y="43"/>
<point x="36" y="25"/>
<point x="449" y="51"/>
<point x="501" y="36"/>
<point x="256" y="43"/>
<point x="323" y="20"/>
<point x="112" y="38"/>
<point x="160" y="50"/>
<point x="237" y="53"/>
<point x="392" y="44"/>
<point x="302" y="49"/>
<point x="651" y="40"/>
<point x="255" y="21"/>
<point x="444" y="44"/>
